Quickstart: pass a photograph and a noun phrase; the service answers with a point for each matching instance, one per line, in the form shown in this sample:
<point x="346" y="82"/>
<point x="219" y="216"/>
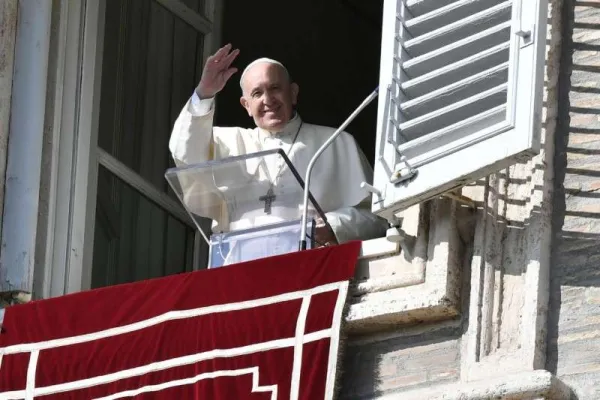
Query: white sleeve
<point x="191" y="140"/>
<point x="356" y="223"/>
<point x="200" y="107"/>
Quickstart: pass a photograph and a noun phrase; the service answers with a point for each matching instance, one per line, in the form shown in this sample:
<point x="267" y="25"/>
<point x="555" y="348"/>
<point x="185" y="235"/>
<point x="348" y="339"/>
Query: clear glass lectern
<point x="255" y="203"/>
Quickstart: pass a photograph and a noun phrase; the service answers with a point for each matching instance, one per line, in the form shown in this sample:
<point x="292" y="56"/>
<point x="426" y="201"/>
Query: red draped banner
<point x="266" y="329"/>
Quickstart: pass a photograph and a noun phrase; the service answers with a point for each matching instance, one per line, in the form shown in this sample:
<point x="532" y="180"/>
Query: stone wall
<point x="574" y="317"/>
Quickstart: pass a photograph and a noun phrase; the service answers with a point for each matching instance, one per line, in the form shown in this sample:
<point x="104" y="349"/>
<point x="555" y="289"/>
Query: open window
<point x="331" y="49"/>
<point x="460" y="94"/>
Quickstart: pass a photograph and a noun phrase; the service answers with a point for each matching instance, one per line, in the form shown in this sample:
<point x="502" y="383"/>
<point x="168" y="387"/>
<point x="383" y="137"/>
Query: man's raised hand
<point x="217" y="72"/>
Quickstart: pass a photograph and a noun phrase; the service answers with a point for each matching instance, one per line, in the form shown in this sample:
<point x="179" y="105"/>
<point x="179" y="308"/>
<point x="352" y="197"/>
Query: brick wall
<point x="574" y="318"/>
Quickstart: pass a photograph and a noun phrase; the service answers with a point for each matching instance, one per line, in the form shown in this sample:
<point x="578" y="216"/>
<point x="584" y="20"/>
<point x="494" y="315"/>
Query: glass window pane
<point x="196" y="5"/>
<point x="151" y="64"/>
<point x="135" y="239"/>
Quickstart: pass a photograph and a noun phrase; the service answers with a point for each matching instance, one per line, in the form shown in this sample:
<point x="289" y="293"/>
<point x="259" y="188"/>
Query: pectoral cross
<point x="268" y="199"/>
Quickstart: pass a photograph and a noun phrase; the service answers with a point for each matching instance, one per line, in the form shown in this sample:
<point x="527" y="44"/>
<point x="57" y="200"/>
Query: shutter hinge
<point x="403" y="172"/>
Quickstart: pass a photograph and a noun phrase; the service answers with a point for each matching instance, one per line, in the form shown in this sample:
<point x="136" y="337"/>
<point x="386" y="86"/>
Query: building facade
<point x="493" y="293"/>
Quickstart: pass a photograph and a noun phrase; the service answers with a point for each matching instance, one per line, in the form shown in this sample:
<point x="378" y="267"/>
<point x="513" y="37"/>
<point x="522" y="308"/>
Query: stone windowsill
<point x="419" y="283"/>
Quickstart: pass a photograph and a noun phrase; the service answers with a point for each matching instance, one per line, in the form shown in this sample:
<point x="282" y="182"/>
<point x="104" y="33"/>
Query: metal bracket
<point x="522" y="33"/>
<point x="402" y="172"/>
<point x="372" y="189"/>
<point x="526" y="35"/>
<point x="395" y="234"/>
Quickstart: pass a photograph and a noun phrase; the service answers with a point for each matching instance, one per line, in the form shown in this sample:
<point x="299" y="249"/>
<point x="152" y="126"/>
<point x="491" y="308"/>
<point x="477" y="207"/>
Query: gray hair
<point x="262" y="60"/>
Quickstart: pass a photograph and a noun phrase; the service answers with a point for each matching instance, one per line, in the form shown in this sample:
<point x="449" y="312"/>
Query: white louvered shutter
<point x="460" y="94"/>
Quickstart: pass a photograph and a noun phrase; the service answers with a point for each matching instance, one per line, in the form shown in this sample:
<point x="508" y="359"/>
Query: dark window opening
<point x="331" y="49"/>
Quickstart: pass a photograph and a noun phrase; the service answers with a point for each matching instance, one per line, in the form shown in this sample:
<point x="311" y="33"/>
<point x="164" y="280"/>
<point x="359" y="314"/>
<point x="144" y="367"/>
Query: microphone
<point x="313" y="160"/>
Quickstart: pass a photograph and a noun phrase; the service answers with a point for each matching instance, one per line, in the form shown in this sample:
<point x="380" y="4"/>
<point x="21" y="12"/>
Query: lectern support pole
<point x="311" y="164"/>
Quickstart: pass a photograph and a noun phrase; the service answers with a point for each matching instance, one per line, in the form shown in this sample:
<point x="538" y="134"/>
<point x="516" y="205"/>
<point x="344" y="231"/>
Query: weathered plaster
<point x="8" y="30"/>
<point x="23" y="165"/>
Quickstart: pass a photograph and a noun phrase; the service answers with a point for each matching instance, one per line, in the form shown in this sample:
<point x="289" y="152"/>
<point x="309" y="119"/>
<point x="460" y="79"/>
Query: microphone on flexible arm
<point x="311" y="164"/>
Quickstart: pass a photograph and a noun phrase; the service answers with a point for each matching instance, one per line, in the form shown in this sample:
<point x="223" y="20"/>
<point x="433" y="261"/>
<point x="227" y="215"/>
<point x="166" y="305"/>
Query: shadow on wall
<point x="574" y="313"/>
<point x="408" y="359"/>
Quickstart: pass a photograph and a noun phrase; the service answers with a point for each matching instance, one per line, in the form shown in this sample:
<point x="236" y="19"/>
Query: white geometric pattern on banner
<point x="297" y="342"/>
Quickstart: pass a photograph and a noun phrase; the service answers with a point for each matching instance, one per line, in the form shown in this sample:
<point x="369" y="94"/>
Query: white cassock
<point x="335" y="181"/>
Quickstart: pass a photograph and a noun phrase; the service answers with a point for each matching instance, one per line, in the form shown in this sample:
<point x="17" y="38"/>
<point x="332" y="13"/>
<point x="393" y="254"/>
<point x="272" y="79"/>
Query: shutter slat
<point x="457" y="91"/>
<point x="454" y="113"/>
<point x="446" y="15"/>
<point x="451" y="135"/>
<point x="464" y="48"/>
<point x="456" y="71"/>
<point x="457" y="30"/>
<point x="420" y="7"/>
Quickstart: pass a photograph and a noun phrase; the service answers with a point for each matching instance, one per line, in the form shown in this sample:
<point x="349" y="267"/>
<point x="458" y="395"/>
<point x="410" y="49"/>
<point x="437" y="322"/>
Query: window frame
<point x="75" y="154"/>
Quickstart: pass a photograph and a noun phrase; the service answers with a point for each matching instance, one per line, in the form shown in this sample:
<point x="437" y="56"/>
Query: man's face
<point x="268" y="96"/>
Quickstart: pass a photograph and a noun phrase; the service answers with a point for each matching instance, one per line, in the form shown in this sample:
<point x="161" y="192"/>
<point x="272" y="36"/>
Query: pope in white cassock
<point x="269" y="96"/>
